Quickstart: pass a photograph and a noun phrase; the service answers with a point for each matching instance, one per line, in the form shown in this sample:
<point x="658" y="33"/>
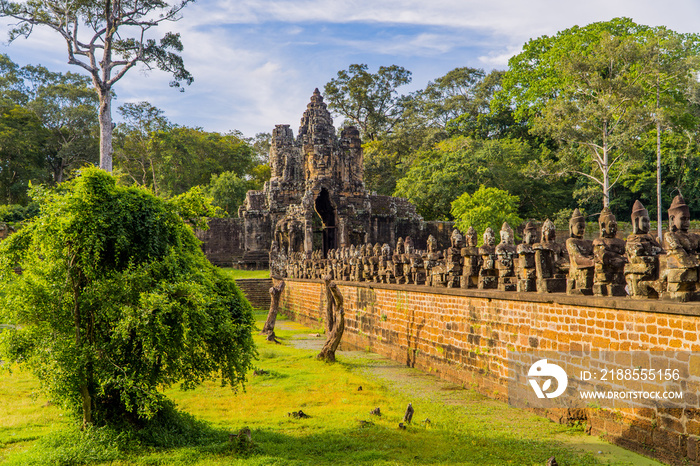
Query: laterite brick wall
<point x="465" y="335"/>
<point x="257" y="290"/>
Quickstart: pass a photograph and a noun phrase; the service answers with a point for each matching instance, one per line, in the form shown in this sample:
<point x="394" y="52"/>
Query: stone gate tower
<point x="316" y="198"/>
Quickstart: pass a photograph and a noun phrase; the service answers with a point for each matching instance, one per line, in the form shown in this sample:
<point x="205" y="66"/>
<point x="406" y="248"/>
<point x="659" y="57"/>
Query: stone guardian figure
<point x="609" y="257"/>
<point x="581" y="264"/>
<point x="642" y="269"/>
<point x="507" y="256"/>
<point x="682" y="250"/>
<point x="527" y="272"/>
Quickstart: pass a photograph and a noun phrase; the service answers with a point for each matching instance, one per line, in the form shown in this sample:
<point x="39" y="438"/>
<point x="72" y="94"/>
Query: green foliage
<point x="171" y="159"/>
<point x="228" y="191"/>
<point x="116" y="300"/>
<point x="16" y="213"/>
<point x="23" y="142"/>
<point x="487" y="207"/>
<point x="597" y="88"/>
<point x="195" y="207"/>
<point x="461" y="164"/>
<point x="368" y="100"/>
<point x="67" y="106"/>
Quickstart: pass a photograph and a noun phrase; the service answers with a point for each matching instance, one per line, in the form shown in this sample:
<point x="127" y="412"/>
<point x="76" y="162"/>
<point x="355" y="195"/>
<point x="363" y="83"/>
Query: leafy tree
<point x="171" y="159"/>
<point x="457" y="165"/>
<point x="23" y="141"/>
<point x="106" y="39"/>
<point x="587" y="87"/>
<point x="452" y="95"/>
<point x="189" y="156"/>
<point x="486" y="207"/>
<point x="228" y="191"/>
<point x="67" y="106"/>
<point x="116" y="301"/>
<point x="133" y="153"/>
<point x="369" y="100"/>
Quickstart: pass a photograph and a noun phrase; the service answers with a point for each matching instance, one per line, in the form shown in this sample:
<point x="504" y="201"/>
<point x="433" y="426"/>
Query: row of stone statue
<point x="607" y="266"/>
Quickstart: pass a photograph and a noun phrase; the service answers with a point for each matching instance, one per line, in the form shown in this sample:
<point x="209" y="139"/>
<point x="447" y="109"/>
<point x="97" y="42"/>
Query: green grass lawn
<point x="237" y="273"/>
<point x="340" y="431"/>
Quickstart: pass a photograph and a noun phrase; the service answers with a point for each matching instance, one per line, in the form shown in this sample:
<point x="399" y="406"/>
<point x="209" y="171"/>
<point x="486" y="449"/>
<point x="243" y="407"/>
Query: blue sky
<point x="257" y="62"/>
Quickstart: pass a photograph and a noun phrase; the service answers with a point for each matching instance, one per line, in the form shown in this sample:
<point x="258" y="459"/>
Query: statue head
<point x="457" y="239"/>
<point x="377" y="250"/>
<point x="471" y="237"/>
<point x="507" y="234"/>
<point x="352" y="251"/>
<point x="577" y="224"/>
<point x="679" y="215"/>
<point x="489" y="237"/>
<point x="386" y="251"/>
<point x="408" y="245"/>
<point x="549" y="232"/>
<point x="608" y="223"/>
<point x="530" y="234"/>
<point x="640" y="219"/>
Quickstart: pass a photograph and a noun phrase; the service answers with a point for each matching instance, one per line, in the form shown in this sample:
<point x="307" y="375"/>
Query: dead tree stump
<point x="275" y="295"/>
<point x="335" y="320"/>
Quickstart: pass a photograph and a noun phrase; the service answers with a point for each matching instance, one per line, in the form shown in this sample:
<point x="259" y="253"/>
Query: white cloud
<point x="256" y="62"/>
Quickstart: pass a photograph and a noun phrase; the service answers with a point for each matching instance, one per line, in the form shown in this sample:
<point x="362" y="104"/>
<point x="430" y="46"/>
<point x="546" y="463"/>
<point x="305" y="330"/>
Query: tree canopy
<point x="115" y="300"/>
<point x="106" y="39"/>
<point x="590" y="87"/>
<point x="368" y="100"/>
<point x="486" y="207"/>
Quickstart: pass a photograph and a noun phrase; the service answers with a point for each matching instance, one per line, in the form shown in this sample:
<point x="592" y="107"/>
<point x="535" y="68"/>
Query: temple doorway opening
<point x="326" y="212"/>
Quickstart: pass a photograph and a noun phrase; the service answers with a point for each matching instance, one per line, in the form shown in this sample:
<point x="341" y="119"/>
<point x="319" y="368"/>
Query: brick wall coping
<point x="609" y="302"/>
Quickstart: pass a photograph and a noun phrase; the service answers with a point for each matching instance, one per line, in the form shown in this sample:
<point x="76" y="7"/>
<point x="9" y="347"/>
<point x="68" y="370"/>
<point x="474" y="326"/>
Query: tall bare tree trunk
<point x="334" y="308"/>
<point x="275" y="295"/>
<point x="658" y="165"/>
<point x="105" y="117"/>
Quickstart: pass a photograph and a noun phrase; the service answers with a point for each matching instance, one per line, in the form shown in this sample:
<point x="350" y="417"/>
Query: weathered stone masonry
<point x="465" y="335"/>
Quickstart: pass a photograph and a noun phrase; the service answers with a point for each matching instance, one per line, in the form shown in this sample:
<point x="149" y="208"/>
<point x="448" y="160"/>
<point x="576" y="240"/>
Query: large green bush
<point x="115" y="300"/>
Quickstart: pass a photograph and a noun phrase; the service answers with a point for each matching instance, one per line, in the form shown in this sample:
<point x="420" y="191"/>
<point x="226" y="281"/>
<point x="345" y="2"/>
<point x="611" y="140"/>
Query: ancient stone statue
<point x="682" y="250"/>
<point x="386" y="266"/>
<point x="527" y="272"/>
<point x="415" y="262"/>
<point x="551" y="261"/>
<point x="367" y="262"/>
<point x="432" y="260"/>
<point x="471" y="261"/>
<point x="488" y="275"/>
<point x="642" y="268"/>
<point x="609" y="257"/>
<point x="374" y="262"/>
<point x="581" y="264"/>
<point x="506" y="257"/>
<point x="453" y="260"/>
<point x="399" y="262"/>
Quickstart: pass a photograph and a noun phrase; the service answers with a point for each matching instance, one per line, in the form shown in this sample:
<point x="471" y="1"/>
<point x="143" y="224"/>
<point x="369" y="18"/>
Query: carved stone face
<point x="641" y="225"/>
<point x="471" y="237"/>
<point x="608" y="227"/>
<point x="432" y="243"/>
<point x="529" y="236"/>
<point x="578" y="228"/>
<point x="680" y="221"/>
<point x="505" y="237"/>
<point x="489" y="237"/>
